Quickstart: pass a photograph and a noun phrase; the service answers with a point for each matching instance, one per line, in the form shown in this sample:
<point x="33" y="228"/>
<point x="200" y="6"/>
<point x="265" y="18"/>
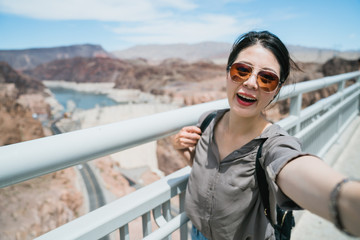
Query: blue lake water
<point x="82" y="100"/>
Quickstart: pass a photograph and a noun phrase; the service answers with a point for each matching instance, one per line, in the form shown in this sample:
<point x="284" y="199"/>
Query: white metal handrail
<point x="57" y="152"/>
<point x="25" y="160"/>
<point x="30" y="159"/>
<point x="112" y="216"/>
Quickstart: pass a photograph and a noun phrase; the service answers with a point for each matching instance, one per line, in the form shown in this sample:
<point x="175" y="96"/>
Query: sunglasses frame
<point x="258" y="78"/>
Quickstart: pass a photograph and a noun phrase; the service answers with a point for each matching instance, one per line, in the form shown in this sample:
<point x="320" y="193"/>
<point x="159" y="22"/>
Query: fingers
<point x="187" y="137"/>
<point x="191" y="129"/>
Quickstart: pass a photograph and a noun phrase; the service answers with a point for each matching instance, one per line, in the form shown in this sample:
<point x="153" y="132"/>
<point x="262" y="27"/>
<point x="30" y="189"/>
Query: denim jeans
<point x="196" y="234"/>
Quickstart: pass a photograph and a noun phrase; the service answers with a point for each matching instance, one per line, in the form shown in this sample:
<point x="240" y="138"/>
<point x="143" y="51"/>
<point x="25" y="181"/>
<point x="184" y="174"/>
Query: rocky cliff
<point x="190" y="83"/>
<point x="33" y="207"/>
<point x="338" y="65"/>
<point x="23" y="83"/>
<point x="81" y="69"/>
<point x="16" y="119"/>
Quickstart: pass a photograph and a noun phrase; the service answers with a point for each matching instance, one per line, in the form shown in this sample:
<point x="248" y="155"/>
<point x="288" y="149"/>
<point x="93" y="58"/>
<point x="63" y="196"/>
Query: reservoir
<point x="82" y="100"/>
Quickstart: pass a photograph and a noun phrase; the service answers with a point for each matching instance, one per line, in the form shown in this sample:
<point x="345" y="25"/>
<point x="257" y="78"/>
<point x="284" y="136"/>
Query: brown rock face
<point x="112" y="177"/>
<point x="34" y="207"/>
<point x="23" y="83"/>
<point x="337" y="65"/>
<point x="191" y="82"/>
<point x="169" y="160"/>
<point x="169" y="76"/>
<point x="16" y="121"/>
<point x="80" y="70"/>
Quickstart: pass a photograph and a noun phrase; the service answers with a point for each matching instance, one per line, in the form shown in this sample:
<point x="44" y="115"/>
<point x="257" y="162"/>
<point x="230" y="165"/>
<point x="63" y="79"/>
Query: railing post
<point x="295" y="109"/>
<point x="183" y="228"/>
<point x="146" y="224"/>
<point x="358" y="81"/>
<point x="124" y="232"/>
<point x="166" y="214"/>
<point x="341" y="87"/>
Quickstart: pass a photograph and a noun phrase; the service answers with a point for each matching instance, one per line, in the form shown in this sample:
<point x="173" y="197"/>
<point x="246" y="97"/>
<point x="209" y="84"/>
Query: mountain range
<point x="30" y="58"/>
<point x="216" y="52"/>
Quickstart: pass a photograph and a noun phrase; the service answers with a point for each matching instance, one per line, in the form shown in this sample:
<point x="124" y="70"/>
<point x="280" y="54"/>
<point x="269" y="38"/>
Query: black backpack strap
<point x="207" y="121"/>
<point x="285" y="220"/>
<point x="263" y="185"/>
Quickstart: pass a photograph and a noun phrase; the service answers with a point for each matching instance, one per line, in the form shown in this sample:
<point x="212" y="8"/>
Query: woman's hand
<point x="185" y="141"/>
<point x="187" y="137"/>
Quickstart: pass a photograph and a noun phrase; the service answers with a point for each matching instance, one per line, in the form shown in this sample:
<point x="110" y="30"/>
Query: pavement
<point x="343" y="156"/>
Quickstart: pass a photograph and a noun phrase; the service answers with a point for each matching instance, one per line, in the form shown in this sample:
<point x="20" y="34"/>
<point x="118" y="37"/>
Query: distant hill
<point x="320" y="55"/>
<point x="218" y="52"/>
<point x="215" y="51"/>
<point x="30" y="58"/>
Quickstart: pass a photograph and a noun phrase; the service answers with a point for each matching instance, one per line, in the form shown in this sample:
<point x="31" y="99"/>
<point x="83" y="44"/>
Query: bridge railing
<point x="317" y="126"/>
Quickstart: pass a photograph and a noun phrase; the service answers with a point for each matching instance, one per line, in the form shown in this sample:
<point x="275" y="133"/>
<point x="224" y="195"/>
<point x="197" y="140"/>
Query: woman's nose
<point x="251" y="83"/>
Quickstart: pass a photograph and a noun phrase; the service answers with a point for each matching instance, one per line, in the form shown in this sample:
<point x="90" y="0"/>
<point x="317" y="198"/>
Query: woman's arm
<point x="309" y="182"/>
<point x="185" y="141"/>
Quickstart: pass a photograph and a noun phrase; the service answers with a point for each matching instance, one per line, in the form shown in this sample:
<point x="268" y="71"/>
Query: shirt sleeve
<point x="278" y="151"/>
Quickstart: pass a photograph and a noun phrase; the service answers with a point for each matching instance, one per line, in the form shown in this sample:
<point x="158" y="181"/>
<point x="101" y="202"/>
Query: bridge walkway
<point x="344" y="156"/>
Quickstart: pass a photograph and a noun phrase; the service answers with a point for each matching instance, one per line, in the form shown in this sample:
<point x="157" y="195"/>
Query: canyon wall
<point x="33" y="207"/>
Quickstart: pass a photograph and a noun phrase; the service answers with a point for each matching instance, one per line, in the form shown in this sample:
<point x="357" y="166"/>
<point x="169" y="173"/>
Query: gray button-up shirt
<point x="222" y="197"/>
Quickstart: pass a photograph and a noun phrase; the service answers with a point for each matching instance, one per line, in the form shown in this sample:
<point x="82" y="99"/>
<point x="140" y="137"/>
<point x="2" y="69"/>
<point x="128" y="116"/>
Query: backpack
<point x="284" y="219"/>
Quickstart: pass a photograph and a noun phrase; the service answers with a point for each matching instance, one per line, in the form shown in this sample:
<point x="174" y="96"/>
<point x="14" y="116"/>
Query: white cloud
<point x="201" y="28"/>
<point x="103" y="10"/>
<point x="142" y="21"/>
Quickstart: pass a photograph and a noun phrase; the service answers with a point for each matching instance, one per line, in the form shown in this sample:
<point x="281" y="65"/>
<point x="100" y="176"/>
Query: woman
<point x="222" y="198"/>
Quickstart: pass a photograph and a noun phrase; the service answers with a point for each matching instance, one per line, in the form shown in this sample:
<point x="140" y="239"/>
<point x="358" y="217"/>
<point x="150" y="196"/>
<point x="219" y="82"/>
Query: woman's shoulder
<point x="278" y="138"/>
<point x="217" y="113"/>
<point x="274" y="130"/>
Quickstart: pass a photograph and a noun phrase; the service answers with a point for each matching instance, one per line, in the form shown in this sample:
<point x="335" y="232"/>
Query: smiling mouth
<point x="246" y="98"/>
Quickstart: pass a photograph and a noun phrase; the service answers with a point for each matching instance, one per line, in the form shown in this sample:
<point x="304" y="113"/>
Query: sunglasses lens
<point x="268" y="81"/>
<point x="240" y="72"/>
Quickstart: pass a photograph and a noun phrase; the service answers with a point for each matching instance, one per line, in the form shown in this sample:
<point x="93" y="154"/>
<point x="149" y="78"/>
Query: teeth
<point x="246" y="97"/>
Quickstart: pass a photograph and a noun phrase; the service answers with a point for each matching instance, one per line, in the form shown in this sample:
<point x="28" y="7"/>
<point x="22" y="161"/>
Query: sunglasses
<point x="267" y="81"/>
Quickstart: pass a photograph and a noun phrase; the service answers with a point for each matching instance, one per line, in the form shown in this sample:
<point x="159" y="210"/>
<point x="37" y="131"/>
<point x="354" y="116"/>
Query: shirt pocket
<point x="241" y="174"/>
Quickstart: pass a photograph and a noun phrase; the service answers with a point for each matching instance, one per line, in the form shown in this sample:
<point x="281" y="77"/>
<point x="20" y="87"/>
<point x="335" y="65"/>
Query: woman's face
<point x="247" y="99"/>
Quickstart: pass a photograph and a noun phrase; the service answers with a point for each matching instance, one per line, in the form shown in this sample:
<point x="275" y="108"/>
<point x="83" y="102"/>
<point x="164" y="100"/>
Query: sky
<point x="120" y="24"/>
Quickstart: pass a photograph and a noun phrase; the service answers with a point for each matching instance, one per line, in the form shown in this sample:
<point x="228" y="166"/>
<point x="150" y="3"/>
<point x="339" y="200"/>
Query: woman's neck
<point x="246" y="126"/>
<point x="232" y="132"/>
